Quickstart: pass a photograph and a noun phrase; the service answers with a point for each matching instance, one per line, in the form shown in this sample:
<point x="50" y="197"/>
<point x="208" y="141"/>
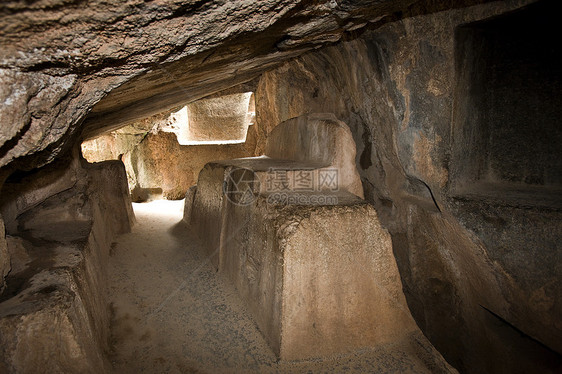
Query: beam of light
<point x="171" y="210"/>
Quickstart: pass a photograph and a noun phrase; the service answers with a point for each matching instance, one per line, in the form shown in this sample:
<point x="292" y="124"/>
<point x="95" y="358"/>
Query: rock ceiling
<point x="70" y="69"/>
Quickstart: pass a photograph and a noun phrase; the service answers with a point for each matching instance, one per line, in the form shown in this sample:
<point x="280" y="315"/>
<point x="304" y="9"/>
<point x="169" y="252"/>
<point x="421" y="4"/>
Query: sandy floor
<point x="174" y="314"/>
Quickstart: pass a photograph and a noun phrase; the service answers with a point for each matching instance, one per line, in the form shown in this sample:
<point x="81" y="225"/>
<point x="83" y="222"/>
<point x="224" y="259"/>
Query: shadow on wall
<point x="506" y="167"/>
<point x="508" y="101"/>
<point x="462" y="256"/>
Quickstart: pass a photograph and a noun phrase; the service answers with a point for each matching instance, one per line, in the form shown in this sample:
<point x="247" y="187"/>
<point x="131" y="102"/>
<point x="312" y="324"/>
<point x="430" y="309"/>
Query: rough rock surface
<point x="465" y="263"/>
<point x="223" y="119"/>
<point x="160" y="165"/>
<point x="157" y="165"/>
<point x="188" y="204"/>
<point x="4" y="256"/>
<point x="60" y="59"/>
<point x="479" y="263"/>
<point x="319" y="277"/>
<point x="115" y="144"/>
<point x="154" y="150"/>
<point x="54" y="315"/>
<point x="307" y="145"/>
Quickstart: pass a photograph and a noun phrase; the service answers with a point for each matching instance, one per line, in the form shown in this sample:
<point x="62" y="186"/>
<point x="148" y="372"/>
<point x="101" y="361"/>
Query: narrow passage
<point x="172" y="313"/>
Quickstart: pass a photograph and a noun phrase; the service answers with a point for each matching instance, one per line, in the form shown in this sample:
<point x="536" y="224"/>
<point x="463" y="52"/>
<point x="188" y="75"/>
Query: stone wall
<point x="160" y="165"/>
<point x="396" y="88"/>
<point x="157" y="165"/>
<point x="4" y="256"/>
<point x="219" y="120"/>
<point x="479" y="267"/>
<point x="54" y="315"/>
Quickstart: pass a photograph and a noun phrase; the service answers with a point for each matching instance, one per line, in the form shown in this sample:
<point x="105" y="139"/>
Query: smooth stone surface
<point x="335" y="151"/>
<point x="318" y="280"/>
<point x="222" y="119"/>
<point x="318" y="138"/>
<point x="460" y="244"/>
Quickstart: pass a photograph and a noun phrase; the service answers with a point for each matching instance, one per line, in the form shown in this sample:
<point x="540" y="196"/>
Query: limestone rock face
<point x="188" y="204"/>
<point x="319" y="139"/>
<point x="48" y="329"/>
<point x="4" y="256"/>
<point x="113" y="145"/>
<point x="457" y="251"/>
<point x="58" y="61"/>
<point x="164" y="153"/>
<point x="54" y="316"/>
<point x="222" y="119"/>
<point x="158" y="165"/>
<point x="475" y="224"/>
<point x="19" y="257"/>
<point x="316" y="270"/>
<point x="319" y="280"/>
<point x="26" y="193"/>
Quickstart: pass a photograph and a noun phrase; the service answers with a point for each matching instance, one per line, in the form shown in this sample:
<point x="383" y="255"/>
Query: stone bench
<point x="208" y="201"/>
<point x="319" y="280"/>
<point x="315" y="269"/>
<point x="317" y="142"/>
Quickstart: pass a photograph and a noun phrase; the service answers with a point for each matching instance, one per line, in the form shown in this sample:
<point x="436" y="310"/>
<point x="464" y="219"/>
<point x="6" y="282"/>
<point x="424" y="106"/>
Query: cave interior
<point x="336" y="186"/>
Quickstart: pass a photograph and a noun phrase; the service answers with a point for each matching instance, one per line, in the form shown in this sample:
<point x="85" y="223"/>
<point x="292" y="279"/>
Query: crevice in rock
<point x="7" y="146"/>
